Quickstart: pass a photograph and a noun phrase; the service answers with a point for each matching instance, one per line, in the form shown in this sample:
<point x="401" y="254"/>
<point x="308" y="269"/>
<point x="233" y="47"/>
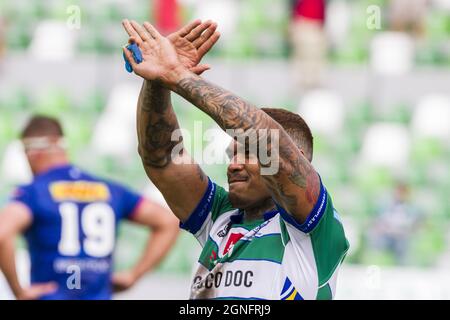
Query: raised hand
<point x="160" y="59"/>
<point x="191" y="42"/>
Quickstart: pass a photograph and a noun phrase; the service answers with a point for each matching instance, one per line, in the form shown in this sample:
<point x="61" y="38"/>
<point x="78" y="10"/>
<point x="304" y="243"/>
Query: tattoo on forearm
<point x="228" y="110"/>
<point x="155" y="121"/>
<point x="232" y="112"/>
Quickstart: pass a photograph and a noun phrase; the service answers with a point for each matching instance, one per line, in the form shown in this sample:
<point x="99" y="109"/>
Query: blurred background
<point x="371" y="77"/>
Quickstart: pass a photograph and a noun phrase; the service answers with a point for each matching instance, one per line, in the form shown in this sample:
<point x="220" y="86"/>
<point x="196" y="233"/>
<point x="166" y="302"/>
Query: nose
<point x="235" y="166"/>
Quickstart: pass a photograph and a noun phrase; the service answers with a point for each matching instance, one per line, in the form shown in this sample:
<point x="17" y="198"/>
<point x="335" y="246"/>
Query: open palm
<point x="191" y="43"/>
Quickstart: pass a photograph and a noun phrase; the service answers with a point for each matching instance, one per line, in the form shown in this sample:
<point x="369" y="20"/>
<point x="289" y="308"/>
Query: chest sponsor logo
<point x="228" y="278"/>
<point x="80" y="191"/>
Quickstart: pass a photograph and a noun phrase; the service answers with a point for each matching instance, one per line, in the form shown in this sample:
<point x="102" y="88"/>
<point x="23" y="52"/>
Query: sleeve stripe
<point x="313" y="218"/>
<point x="201" y="212"/>
<point x="135" y="211"/>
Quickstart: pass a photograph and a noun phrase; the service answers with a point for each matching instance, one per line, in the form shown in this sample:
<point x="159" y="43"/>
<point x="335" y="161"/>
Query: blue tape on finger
<point x="137" y="56"/>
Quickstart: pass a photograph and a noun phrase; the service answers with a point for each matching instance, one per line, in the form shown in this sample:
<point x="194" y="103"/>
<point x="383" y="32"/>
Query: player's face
<point x="246" y="186"/>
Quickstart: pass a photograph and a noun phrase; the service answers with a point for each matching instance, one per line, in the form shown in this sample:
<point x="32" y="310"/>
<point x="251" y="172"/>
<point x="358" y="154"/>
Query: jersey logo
<point x="234" y="237"/>
<point x="289" y="292"/>
<point x="79" y="191"/>
<point x="222" y="233"/>
<point x="213" y="256"/>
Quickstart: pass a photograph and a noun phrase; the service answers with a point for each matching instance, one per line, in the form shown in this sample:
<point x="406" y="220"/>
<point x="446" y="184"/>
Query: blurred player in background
<point x="274" y="236"/>
<point x="408" y="16"/>
<point x="69" y="219"/>
<point x="395" y="225"/>
<point x="309" y="42"/>
<point x="2" y="37"/>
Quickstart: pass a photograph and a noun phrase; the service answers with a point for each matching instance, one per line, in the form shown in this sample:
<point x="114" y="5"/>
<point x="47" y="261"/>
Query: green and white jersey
<point x="274" y="258"/>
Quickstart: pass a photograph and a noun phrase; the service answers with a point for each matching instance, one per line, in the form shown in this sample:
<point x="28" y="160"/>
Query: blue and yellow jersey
<point x="72" y="236"/>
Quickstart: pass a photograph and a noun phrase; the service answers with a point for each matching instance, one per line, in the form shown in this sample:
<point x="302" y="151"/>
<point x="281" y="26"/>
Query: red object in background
<point x="166" y="16"/>
<point x="311" y="9"/>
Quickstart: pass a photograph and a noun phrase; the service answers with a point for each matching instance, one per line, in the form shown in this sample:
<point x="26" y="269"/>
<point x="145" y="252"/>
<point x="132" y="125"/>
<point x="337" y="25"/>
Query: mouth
<point x="236" y="180"/>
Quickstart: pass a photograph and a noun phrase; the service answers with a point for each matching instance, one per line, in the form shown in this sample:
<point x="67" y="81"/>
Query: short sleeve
<point x="129" y="201"/>
<point x="24" y="195"/>
<point x="313" y="218"/>
<point x="213" y="203"/>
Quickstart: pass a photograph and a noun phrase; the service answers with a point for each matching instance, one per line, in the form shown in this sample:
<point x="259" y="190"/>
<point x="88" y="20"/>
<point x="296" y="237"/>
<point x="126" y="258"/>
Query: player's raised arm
<point x="178" y="177"/>
<point x="296" y="185"/>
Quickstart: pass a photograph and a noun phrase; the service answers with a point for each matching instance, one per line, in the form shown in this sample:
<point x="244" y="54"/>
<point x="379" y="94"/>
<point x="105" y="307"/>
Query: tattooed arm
<point x="178" y="177"/>
<point x="296" y="185"/>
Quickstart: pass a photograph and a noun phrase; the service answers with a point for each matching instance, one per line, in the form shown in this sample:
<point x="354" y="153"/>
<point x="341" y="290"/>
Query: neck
<point x="50" y="163"/>
<point x="257" y="212"/>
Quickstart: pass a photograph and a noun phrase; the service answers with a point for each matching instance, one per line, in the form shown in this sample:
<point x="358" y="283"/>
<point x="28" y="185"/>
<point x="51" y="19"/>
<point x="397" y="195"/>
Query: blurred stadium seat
<point x="53" y="41"/>
<point x="392" y="53"/>
<point x="431" y="117"/>
<point x="386" y="144"/>
<point x="14" y="166"/>
<point x="115" y="131"/>
<point x="324" y="112"/>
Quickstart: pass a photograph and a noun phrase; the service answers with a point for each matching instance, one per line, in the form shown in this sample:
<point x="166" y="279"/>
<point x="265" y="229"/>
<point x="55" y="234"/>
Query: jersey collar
<point x="238" y="218"/>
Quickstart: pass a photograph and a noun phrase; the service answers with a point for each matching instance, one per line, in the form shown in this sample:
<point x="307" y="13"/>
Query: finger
<point x="189" y="27"/>
<point x="205" y="36"/>
<point x="46" y="288"/>
<point x="132" y="40"/>
<point x="194" y="34"/>
<point x="208" y="44"/>
<point x="131" y="31"/>
<point x="198" y="70"/>
<point x="130" y="58"/>
<point x="141" y="31"/>
<point x="117" y="277"/>
<point x="118" y="289"/>
<point x="152" y="31"/>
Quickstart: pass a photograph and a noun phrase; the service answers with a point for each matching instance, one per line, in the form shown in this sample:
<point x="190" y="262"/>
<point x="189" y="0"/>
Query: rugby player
<point x="69" y="219"/>
<point x="271" y="236"/>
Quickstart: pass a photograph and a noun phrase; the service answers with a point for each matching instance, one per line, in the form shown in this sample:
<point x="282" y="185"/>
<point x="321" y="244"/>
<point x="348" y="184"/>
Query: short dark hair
<point x="296" y="127"/>
<point x="40" y="125"/>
